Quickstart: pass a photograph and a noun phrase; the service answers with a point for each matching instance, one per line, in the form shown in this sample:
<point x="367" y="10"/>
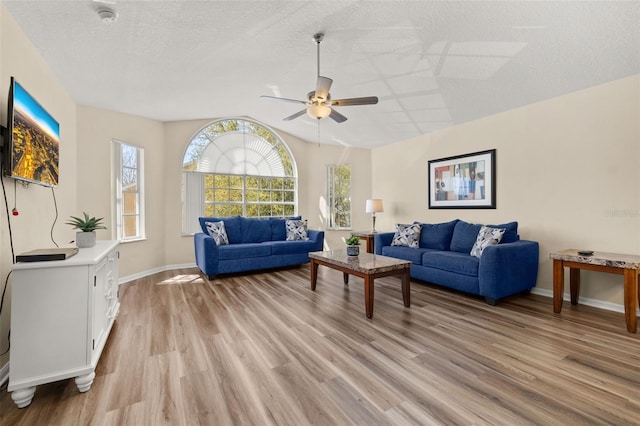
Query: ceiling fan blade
<point x="337" y="117"/>
<point x="285" y="99"/>
<point x="322" y="87"/>
<point x="296" y="115"/>
<point x="369" y="100"/>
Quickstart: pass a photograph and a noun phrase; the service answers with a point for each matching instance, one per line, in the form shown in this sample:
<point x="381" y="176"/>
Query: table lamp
<point x="374" y="206"/>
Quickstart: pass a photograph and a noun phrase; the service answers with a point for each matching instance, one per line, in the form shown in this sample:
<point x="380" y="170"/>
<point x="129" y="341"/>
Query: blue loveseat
<point x="254" y="244"/>
<point x="443" y="258"/>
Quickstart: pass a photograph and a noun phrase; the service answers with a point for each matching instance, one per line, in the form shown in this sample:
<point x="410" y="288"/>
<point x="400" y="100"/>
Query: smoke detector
<point x="108" y="16"/>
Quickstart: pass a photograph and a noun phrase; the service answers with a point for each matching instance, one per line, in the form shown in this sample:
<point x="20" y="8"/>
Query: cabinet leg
<point x="23" y="397"/>
<point x="84" y="382"/>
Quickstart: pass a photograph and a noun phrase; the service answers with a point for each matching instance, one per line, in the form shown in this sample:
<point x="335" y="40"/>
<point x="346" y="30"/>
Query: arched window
<point x="237" y="167"/>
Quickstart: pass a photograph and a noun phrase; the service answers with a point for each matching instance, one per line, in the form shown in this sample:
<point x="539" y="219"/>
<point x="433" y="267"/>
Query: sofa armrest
<point x="507" y="269"/>
<point x="206" y="253"/>
<point x="317" y="237"/>
<point x="382" y="239"/>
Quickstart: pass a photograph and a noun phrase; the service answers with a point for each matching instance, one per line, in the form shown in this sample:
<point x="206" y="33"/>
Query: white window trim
<point x="192" y="181"/>
<point x="330" y="194"/>
<point x="116" y="192"/>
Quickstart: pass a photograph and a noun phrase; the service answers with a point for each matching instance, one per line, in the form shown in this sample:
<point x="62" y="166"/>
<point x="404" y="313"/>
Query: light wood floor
<point x="264" y="349"/>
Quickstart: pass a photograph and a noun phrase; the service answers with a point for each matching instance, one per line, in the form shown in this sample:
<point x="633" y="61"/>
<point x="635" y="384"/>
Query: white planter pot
<point x="85" y="239"/>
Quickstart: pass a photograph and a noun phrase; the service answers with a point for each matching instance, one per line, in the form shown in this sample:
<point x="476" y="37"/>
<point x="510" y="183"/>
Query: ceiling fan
<point x="319" y="103"/>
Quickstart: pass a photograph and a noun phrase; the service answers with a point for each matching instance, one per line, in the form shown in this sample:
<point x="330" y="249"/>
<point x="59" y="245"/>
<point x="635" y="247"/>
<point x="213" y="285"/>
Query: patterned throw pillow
<point x="296" y="230"/>
<point x="487" y="236"/>
<point x="407" y="235"/>
<point x="218" y="232"/>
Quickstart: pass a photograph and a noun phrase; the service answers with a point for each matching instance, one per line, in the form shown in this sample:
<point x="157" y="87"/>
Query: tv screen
<point x="32" y="151"/>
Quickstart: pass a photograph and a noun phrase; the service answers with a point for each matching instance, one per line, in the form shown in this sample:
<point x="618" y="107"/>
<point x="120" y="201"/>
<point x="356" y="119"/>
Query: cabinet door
<point x="100" y="306"/>
<point x="48" y="322"/>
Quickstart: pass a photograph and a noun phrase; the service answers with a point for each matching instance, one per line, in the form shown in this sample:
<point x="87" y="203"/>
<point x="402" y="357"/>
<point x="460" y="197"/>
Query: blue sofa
<point x="254" y="244"/>
<point x="443" y="258"/>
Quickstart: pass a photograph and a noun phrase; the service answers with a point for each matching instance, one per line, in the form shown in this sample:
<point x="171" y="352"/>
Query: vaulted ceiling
<point x="433" y="64"/>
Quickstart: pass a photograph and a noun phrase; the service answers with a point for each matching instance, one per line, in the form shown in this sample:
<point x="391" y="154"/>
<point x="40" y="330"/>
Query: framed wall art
<point x="463" y="182"/>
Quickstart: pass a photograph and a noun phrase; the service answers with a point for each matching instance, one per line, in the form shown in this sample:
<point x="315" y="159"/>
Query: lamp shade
<point x="374" y="206"/>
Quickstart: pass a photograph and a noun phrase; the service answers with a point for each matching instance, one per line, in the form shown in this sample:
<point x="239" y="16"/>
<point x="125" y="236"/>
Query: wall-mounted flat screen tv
<point x="32" y="151"/>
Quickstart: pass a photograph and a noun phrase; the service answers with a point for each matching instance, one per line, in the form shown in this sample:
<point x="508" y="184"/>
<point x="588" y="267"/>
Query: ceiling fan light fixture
<point x="318" y="111"/>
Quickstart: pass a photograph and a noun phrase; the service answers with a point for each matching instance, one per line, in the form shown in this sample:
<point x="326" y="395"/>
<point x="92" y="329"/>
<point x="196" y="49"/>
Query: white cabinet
<point x="61" y="315"/>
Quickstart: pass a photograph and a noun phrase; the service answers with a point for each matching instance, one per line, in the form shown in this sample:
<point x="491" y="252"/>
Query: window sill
<point x="133" y="240"/>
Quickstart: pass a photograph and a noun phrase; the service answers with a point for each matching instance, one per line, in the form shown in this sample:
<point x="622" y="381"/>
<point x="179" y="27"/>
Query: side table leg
<point x="574" y="285"/>
<point x="406" y="288"/>
<point x="314" y="274"/>
<point x="368" y="295"/>
<point x="23" y="397"/>
<point x="345" y="278"/>
<point x="630" y="298"/>
<point x="558" y="285"/>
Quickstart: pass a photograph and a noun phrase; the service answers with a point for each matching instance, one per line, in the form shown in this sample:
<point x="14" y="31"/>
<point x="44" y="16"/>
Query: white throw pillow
<point x="218" y="232"/>
<point x="296" y="230"/>
<point x="407" y="235"/>
<point x="486" y="237"/>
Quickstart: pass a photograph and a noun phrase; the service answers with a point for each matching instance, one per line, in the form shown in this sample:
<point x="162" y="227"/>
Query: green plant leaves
<point x="86" y="224"/>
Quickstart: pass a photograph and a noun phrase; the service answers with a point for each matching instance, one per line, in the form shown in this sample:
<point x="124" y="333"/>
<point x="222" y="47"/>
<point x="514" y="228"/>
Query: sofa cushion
<point x="255" y="230"/>
<point x="292" y="247"/>
<point x="451" y="261"/>
<point x="407" y="235"/>
<point x="279" y="227"/>
<point x="464" y="236"/>
<point x="217" y="232"/>
<point x="296" y="230"/>
<point x="405" y="253"/>
<point x="231" y="225"/>
<point x="437" y="236"/>
<point x="510" y="233"/>
<point x="243" y="251"/>
<point x="487" y="236"/>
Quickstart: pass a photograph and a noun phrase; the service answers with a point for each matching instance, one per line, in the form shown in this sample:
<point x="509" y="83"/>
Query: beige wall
<point x="311" y="160"/>
<point x="96" y="128"/>
<point x="567" y="170"/>
<point x="31" y="229"/>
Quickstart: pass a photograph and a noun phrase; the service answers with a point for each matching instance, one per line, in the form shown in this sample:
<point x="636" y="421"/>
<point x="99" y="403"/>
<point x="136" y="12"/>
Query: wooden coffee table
<point x="366" y="265"/>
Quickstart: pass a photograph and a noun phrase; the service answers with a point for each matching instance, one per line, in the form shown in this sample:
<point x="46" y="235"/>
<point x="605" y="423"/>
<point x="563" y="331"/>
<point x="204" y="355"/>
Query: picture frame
<point x="465" y="181"/>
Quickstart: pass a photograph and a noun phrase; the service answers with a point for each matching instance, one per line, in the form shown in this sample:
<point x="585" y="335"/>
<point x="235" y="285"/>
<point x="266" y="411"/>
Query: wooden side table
<point x="614" y="263"/>
<point x="368" y="236"/>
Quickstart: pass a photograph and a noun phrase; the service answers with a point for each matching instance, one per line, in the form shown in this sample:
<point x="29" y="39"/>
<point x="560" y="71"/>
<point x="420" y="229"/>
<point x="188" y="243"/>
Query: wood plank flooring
<point x="263" y="349"/>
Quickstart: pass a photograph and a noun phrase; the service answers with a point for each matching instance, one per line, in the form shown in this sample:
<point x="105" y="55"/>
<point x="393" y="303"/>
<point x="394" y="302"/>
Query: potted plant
<point x="86" y="237"/>
<point x="353" y="245"/>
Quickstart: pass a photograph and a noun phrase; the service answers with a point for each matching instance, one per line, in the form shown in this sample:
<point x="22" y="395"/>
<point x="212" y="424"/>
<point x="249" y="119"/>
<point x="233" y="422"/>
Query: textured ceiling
<point x="432" y="64"/>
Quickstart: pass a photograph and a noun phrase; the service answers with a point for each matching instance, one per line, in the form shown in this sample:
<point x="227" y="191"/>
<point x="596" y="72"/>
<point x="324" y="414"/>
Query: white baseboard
<point x="585" y="301"/>
<point x="4" y="374"/>
<point x="146" y="273"/>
